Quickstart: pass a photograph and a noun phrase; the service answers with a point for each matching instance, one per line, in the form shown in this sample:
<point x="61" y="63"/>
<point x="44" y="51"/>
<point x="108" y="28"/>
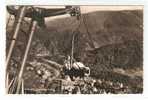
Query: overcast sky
<point x="86" y="9"/>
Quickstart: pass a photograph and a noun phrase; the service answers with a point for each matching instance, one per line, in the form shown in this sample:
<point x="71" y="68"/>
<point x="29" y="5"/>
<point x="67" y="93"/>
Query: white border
<point x="75" y="2"/>
<point x="71" y="2"/>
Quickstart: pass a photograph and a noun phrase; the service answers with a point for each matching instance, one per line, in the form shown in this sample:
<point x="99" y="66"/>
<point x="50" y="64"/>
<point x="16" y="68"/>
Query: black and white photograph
<point x="74" y="49"/>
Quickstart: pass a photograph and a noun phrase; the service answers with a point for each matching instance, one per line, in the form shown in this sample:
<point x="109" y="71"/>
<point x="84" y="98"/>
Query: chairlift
<point x="37" y="15"/>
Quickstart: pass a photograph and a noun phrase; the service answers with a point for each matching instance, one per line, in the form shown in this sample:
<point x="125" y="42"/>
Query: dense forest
<point x="110" y="43"/>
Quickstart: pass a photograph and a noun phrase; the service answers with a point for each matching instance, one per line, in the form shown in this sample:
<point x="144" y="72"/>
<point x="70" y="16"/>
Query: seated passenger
<point x="78" y="69"/>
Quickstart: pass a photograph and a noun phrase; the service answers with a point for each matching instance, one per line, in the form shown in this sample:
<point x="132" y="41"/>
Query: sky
<point x="86" y="9"/>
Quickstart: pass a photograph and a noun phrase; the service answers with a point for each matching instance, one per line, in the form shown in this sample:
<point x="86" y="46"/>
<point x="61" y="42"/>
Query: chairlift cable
<point x="73" y="37"/>
<point x="88" y="33"/>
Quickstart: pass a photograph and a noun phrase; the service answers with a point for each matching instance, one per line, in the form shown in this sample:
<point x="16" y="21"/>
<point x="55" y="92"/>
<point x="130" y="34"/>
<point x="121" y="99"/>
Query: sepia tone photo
<point x="74" y="49"/>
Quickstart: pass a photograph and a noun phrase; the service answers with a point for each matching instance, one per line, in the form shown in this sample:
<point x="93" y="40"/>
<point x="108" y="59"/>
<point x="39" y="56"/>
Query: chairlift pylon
<point x="37" y="16"/>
